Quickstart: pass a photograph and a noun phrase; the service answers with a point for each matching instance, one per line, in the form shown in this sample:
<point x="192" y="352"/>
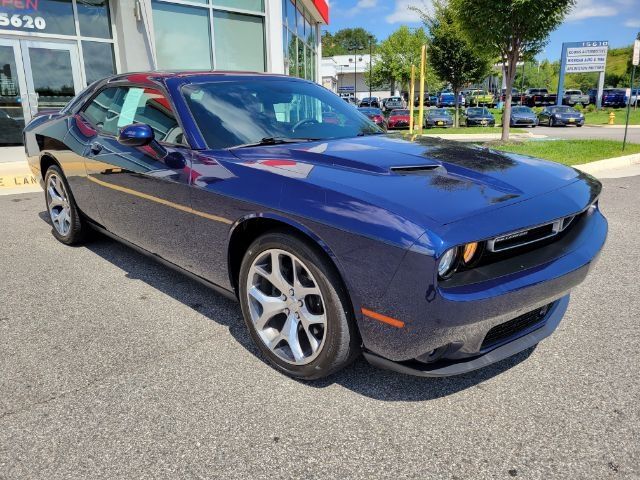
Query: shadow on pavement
<point x="360" y="377"/>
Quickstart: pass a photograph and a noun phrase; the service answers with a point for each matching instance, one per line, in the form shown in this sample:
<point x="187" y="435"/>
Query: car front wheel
<point x="295" y="307"/>
<point x="68" y="226"/>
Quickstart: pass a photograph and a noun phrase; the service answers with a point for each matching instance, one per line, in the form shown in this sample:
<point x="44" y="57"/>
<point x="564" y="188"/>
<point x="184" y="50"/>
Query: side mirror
<point x="136" y="135"/>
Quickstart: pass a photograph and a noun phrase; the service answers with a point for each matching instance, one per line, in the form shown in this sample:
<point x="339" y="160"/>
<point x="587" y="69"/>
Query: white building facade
<point x="346" y="75"/>
<point x="52" y="49"/>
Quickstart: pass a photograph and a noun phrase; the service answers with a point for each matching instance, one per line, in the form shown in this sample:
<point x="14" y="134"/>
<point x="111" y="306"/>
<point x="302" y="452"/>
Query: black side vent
<point x="414" y="169"/>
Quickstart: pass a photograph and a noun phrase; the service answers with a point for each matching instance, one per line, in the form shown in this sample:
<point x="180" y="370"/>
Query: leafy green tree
<point x="453" y="57"/>
<point x="342" y="42"/>
<point x="510" y="29"/>
<point x="395" y="55"/>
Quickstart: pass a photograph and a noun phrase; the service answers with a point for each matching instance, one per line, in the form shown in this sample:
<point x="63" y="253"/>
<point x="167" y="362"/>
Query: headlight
<point x="448" y="262"/>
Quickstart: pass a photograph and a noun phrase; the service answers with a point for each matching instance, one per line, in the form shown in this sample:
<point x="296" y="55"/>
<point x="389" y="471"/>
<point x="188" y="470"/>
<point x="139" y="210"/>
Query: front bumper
<point x="448" y="368"/>
<point x="450" y="323"/>
<point x="566" y="121"/>
<point x="481" y="123"/>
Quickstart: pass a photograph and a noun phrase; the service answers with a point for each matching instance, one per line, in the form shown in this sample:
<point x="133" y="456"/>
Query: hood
<point x="426" y="181"/>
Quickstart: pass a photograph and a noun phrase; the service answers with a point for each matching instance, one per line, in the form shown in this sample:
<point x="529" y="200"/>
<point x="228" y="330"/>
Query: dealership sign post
<point x="635" y="61"/>
<point x="583" y="57"/>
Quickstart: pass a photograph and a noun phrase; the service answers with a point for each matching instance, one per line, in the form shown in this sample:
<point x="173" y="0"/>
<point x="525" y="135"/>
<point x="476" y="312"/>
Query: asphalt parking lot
<point x="113" y="366"/>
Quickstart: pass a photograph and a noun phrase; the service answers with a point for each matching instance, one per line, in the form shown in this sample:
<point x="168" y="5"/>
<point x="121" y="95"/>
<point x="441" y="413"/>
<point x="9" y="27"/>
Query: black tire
<point x="552" y="122"/>
<point x="342" y="342"/>
<point x="78" y="229"/>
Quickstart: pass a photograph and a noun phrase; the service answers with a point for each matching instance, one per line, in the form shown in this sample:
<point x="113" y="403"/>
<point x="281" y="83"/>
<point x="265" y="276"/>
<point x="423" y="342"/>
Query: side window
<point x="104" y="110"/>
<point x="150" y="106"/>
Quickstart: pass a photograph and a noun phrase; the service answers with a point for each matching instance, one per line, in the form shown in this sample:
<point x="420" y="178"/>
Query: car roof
<point x="156" y="76"/>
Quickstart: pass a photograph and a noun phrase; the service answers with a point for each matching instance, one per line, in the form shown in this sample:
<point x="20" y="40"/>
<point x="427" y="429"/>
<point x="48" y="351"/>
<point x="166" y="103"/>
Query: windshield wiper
<point x="274" y="141"/>
<point x="364" y="134"/>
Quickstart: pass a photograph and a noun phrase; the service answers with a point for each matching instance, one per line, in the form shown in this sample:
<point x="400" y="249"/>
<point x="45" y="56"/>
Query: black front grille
<point x="517" y="325"/>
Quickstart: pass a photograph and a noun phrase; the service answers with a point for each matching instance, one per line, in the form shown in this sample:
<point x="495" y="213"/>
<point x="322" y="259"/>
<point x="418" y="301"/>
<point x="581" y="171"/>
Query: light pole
<point x="370" y="62"/>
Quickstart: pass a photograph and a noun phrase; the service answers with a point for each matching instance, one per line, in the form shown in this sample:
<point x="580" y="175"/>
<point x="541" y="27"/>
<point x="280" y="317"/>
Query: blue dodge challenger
<point x="428" y="257"/>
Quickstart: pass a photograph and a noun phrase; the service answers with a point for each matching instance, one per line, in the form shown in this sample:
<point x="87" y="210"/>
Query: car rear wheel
<point x="296" y="310"/>
<point x="68" y="226"/>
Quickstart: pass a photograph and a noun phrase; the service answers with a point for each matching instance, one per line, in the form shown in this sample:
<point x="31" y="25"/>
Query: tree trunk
<point x="510" y="72"/>
<point x="455" y="105"/>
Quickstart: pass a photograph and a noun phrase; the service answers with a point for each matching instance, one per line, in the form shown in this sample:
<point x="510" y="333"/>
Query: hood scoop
<point x="416" y="169"/>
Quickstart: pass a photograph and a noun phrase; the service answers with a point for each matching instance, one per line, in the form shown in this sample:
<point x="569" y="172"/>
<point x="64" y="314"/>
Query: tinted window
<point x="104" y="110"/>
<point x="150" y="106"/>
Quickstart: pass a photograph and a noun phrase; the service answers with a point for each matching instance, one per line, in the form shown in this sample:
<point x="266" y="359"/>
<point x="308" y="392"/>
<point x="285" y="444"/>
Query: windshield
<point x="521" y="110"/>
<point x="399" y="111"/>
<point x="236" y="113"/>
<point x="438" y="111"/>
<point x="371" y="111"/>
<point x="477" y="111"/>
<point x="562" y="110"/>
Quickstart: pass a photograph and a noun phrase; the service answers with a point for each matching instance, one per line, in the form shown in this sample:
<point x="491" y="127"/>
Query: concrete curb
<point x="610" y="163"/>
<point x="481" y="137"/>
<point x="612" y="127"/>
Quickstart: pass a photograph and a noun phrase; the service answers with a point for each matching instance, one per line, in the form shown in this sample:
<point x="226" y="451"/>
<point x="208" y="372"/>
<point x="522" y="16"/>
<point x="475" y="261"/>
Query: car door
<point x="543" y="116"/>
<point x="142" y="193"/>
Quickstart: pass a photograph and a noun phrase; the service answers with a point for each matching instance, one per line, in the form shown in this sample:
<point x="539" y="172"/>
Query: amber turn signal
<point x="469" y="251"/>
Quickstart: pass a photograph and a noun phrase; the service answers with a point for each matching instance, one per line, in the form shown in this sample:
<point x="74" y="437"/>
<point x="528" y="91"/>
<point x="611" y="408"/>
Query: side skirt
<point x="217" y="288"/>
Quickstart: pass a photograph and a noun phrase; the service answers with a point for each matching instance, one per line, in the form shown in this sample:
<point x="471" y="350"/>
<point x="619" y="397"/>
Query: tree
<point x="341" y="42"/>
<point x="452" y="55"/>
<point x="511" y="30"/>
<point x="395" y="55"/>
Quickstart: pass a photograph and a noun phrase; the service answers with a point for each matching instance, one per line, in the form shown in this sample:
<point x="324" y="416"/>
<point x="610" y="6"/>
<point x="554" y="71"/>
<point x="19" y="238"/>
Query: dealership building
<point x="52" y="49"/>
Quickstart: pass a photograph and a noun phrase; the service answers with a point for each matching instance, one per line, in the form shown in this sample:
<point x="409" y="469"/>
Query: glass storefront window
<point x="255" y="5"/>
<point x="301" y="36"/>
<point x="239" y="41"/>
<point x="293" y="55"/>
<point x="43" y="16"/>
<point x="98" y="60"/>
<point x="11" y="114"/>
<point x="182" y="36"/>
<point x="291" y="14"/>
<point x="93" y="17"/>
<point x="300" y="22"/>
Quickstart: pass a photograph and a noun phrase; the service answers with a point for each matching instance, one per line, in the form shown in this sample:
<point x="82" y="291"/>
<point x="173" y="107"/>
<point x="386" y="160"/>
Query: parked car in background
<point x="398" y="118"/>
<point x="534" y="97"/>
<point x="522" y="117"/>
<point x="614" y="97"/>
<point x="370" y="102"/>
<point x="475" y="98"/>
<point x="575" y="97"/>
<point x="558" y="116"/>
<point x="448" y="99"/>
<point x="516" y="97"/>
<point x="395" y="103"/>
<point x="438" y="117"/>
<point x="375" y="115"/>
<point x="430" y="99"/>
<point x="635" y="96"/>
<point x="479" y="117"/>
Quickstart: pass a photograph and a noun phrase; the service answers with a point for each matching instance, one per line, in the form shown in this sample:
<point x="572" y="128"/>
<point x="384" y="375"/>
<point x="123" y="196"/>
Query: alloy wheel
<point x="286" y="306"/>
<point x="58" y="204"/>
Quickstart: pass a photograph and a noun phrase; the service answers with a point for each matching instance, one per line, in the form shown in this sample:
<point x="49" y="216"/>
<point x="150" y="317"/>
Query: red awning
<point x="323" y="9"/>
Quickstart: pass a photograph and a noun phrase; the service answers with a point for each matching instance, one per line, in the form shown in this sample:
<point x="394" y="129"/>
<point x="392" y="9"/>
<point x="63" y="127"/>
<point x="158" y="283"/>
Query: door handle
<point x="95" y="148"/>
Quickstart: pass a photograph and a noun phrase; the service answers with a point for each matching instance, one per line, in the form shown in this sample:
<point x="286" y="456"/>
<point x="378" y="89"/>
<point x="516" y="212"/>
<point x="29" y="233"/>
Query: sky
<point x="617" y="21"/>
